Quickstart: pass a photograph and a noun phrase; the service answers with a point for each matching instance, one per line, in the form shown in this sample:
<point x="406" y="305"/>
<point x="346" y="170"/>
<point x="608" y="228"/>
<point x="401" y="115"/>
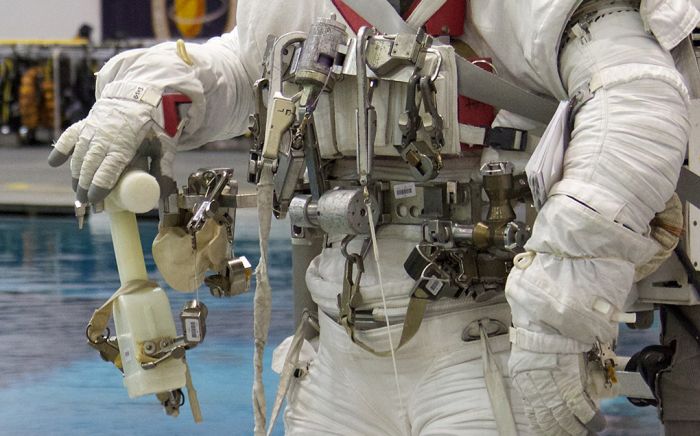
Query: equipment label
<point x="404" y="190"/>
<point x="433" y="285"/>
<point x="192" y="331"/>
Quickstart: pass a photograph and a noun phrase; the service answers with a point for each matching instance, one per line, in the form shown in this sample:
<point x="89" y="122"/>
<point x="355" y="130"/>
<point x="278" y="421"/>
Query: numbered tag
<point x="193" y="317"/>
<point x="434" y="285"/>
<point x="404" y="190"/>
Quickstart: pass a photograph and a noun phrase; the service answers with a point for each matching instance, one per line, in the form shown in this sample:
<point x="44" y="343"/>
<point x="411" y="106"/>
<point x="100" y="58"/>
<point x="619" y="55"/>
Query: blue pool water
<point x="53" y="276"/>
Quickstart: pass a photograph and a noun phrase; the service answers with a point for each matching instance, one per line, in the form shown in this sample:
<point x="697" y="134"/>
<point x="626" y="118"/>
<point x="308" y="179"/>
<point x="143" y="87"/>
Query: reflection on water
<point x="52" y="277"/>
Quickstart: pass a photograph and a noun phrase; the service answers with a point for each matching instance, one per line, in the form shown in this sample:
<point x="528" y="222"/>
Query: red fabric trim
<point x="351" y="17"/>
<point x="448" y="20"/>
<point x="171" y="117"/>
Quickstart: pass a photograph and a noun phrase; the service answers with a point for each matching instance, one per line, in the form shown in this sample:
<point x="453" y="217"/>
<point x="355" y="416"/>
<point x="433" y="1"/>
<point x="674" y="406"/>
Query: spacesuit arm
<point x="214" y="75"/>
<point x="621" y="166"/>
<point x="131" y="107"/>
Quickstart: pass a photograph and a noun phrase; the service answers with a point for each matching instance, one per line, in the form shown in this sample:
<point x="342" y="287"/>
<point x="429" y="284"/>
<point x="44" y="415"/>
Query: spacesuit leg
<point x="348" y="391"/>
<point x="622" y="164"/>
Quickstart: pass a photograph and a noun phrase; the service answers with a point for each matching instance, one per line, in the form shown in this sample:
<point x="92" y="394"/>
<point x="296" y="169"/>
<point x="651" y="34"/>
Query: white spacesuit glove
<point x="104" y="143"/>
<point x="552" y="386"/>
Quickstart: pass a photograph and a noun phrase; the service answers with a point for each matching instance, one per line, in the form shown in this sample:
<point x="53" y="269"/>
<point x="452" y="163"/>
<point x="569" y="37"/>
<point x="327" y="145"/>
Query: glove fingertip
<point x="81" y="194"/>
<point x="57" y="158"/>
<point x="96" y="194"/>
<point x="597" y="423"/>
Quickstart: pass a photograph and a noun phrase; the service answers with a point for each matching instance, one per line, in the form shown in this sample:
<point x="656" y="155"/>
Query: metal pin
<point x="80" y="212"/>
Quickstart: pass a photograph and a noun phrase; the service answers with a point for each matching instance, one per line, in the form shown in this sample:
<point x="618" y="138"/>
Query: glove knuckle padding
<point x="68" y="139"/>
<point x="552" y="389"/>
<point x="116" y="128"/>
<point x="91" y="161"/>
<point x="581" y="256"/>
<point x="81" y="147"/>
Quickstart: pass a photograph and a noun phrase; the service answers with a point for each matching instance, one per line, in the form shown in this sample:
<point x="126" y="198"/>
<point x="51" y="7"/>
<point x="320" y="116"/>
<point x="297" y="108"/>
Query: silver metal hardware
<point x="194" y="322"/>
<point x="386" y="53"/>
<point x="338" y="211"/>
<point x="216" y="182"/>
<point x="366" y="116"/>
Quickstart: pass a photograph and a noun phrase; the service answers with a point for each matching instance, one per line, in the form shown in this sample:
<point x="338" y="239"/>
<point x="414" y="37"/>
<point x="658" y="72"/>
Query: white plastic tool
<point x="143" y="315"/>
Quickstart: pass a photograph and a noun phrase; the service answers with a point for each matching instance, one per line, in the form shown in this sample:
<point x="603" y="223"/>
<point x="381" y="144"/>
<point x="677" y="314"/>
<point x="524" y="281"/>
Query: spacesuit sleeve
<point x="218" y="81"/>
<point x="621" y="166"/>
<point x="670" y="20"/>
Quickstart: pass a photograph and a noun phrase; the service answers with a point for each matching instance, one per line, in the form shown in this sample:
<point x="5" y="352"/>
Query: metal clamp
<point x="350" y="298"/>
<point x="425" y="162"/>
<point x="106" y="345"/>
<point x="207" y="208"/>
<point x="366" y="116"/>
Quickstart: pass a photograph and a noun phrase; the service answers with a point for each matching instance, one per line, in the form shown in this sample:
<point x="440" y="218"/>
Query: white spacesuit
<point x="565" y="292"/>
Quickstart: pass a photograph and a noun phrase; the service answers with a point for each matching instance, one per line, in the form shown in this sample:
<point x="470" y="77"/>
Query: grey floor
<point x="29" y="185"/>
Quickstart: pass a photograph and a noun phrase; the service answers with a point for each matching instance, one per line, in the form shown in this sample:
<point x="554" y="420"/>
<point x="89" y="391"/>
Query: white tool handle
<point x="136" y="192"/>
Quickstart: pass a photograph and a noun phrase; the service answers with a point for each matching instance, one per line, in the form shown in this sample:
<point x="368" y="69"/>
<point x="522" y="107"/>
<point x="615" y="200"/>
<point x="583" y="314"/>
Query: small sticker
<point x="434" y="285"/>
<point x="138" y="92"/>
<point x="404" y="190"/>
<point x="192" y="332"/>
<point x="127" y="356"/>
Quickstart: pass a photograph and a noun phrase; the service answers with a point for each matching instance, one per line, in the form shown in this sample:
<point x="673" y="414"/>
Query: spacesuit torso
<point x="555" y="293"/>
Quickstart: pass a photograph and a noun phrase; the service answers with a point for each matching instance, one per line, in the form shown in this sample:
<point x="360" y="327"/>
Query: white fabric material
<point x="306" y="354"/>
<point x="324" y="277"/>
<point x="523" y="37"/>
<point x="423" y="12"/>
<point x="442" y="383"/>
<point x="106" y="141"/>
<point x="553" y="395"/>
<point x="292" y="354"/>
<point x="183" y="267"/>
<point x="631" y="181"/>
<point x="520" y="37"/>
<point x="669" y="20"/>
<point x="621" y="166"/>
<point x="544" y="343"/>
<point x="262" y="303"/>
<point x="666" y="229"/>
<point x="545" y="167"/>
<point x="496" y="388"/>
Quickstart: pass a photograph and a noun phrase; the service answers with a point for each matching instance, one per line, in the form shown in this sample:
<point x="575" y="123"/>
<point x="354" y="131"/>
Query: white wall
<point x="49" y="19"/>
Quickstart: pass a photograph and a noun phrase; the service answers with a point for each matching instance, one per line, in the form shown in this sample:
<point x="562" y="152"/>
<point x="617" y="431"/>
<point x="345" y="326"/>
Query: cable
<point x="375" y="250"/>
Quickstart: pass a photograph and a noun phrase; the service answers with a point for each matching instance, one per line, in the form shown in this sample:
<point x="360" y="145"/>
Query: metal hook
<point x="101" y="339"/>
<point x="363" y="251"/>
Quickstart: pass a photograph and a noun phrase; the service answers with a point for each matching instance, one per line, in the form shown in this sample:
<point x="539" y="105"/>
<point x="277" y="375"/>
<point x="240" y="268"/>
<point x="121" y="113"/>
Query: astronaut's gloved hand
<point x="109" y="138"/>
<point x="552" y="386"/>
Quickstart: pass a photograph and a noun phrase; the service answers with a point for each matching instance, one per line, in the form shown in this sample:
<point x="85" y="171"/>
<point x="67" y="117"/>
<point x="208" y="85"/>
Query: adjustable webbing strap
<point x="100" y="318"/>
<point x="479" y="84"/>
<point x="192" y="396"/>
<point x="496" y="388"/>
<point x="415" y="313"/>
<point x="291" y="361"/>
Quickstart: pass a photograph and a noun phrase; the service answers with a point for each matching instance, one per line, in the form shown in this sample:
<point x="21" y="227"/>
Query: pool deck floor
<point x="28" y="185"/>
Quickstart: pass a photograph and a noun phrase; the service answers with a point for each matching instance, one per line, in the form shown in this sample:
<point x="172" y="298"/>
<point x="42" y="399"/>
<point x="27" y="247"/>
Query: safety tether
<point x="263" y="295"/>
<point x="496" y="388"/>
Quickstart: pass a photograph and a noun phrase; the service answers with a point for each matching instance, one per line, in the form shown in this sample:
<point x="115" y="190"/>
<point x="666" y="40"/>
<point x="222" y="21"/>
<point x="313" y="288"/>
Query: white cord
<point x="375" y="250"/>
